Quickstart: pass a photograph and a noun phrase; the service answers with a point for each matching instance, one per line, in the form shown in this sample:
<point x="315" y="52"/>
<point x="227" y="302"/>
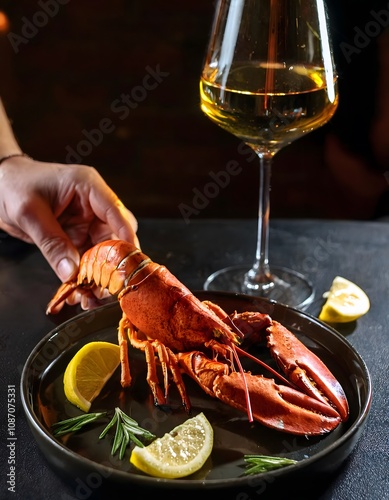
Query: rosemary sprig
<point x="263" y="463"/>
<point x="127" y="429"/>
<point x="75" y="424"/>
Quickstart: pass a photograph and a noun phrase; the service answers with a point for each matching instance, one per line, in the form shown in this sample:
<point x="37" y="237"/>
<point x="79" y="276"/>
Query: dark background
<point x="61" y="78"/>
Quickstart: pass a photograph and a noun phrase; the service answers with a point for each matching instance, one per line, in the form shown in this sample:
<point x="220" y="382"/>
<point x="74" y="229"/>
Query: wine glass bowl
<point x="268" y="79"/>
<point x="267" y="120"/>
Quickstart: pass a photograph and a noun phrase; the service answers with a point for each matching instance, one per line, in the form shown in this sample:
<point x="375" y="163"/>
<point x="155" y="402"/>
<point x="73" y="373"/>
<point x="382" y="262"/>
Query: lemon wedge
<point x="179" y="453"/>
<point x="88" y="371"/>
<point x="345" y="302"/>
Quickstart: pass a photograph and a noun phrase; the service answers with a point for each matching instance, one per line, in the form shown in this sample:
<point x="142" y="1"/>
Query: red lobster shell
<point x="173" y="327"/>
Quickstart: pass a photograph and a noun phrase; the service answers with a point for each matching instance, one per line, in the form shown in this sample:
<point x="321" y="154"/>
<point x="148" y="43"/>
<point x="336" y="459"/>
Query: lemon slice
<point x="179" y="453"/>
<point x="88" y="371"/>
<point x="346" y="302"/>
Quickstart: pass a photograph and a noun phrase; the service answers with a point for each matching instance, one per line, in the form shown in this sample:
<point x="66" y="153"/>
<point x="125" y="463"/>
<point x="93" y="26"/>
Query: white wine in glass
<point x="268" y="78"/>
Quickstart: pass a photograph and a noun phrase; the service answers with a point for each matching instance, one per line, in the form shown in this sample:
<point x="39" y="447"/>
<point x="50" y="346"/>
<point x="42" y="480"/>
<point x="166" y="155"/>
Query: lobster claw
<point x="279" y="407"/>
<point x="305" y="369"/>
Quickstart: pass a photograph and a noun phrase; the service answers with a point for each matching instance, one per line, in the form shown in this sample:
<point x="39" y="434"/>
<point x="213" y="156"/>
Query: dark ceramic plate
<point x="84" y="455"/>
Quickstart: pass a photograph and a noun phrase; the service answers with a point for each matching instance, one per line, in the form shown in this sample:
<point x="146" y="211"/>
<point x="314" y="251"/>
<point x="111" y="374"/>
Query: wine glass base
<point x="290" y="287"/>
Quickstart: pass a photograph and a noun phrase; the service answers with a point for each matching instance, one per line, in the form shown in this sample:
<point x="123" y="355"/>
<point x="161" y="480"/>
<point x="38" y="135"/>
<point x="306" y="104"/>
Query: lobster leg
<point x="275" y="406"/>
<point x="152" y="377"/>
<point x="124" y="361"/>
<point x="168" y="363"/>
<point x="177" y="378"/>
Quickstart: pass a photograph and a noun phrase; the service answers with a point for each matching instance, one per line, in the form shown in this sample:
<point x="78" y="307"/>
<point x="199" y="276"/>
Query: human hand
<point x="63" y="209"/>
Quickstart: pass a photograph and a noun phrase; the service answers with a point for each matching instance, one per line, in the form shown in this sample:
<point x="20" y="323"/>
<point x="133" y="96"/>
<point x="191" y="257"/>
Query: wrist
<point x="12" y="155"/>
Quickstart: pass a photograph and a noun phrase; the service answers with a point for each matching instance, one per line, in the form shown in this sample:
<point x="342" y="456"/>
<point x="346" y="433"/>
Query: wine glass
<point x="268" y="78"/>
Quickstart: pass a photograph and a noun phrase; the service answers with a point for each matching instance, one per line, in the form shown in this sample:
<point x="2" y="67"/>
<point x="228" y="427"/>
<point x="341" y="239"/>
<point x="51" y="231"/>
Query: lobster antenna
<point x="266" y="366"/>
<point x="241" y="371"/>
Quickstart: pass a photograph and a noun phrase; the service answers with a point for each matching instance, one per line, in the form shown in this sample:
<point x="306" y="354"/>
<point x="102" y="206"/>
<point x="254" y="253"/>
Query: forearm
<point x="8" y="143"/>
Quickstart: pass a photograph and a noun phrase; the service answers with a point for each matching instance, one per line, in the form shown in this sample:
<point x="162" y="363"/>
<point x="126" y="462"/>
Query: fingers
<point x="61" y="208"/>
<point x="94" y="209"/>
<point x="110" y="209"/>
<point x="65" y="269"/>
<point x="100" y="231"/>
<point x="46" y="232"/>
<point x="130" y="217"/>
<point x="121" y="221"/>
<point x="15" y="232"/>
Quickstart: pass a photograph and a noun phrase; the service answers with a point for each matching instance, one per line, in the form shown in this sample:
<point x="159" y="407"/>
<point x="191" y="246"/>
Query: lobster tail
<point x="111" y="265"/>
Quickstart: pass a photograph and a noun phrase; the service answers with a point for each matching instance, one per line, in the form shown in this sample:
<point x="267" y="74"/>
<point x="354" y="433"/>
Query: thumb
<point x="61" y="254"/>
<point x="55" y="245"/>
<point x="66" y="269"/>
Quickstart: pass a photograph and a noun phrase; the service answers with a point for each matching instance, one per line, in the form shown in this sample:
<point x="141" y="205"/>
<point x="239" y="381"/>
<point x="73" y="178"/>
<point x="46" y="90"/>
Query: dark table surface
<point x="357" y="251"/>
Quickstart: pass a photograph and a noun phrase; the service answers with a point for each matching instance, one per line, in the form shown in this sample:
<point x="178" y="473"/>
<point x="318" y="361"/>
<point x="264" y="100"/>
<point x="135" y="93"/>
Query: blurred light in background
<point x="4" y="22"/>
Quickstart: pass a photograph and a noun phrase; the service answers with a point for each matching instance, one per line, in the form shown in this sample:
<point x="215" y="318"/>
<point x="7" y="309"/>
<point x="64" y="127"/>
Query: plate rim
<point x="126" y="476"/>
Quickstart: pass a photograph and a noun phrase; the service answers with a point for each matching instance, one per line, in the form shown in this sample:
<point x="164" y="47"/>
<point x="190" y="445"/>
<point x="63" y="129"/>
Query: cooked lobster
<point x="189" y="336"/>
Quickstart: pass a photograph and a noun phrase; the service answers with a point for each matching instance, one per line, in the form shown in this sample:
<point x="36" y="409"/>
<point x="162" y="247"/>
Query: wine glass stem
<point x="259" y="276"/>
